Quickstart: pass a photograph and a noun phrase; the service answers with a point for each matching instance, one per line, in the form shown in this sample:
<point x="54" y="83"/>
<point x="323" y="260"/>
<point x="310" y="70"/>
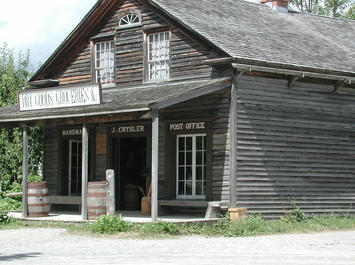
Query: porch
<point x="129" y="216"/>
<point x="164" y="123"/>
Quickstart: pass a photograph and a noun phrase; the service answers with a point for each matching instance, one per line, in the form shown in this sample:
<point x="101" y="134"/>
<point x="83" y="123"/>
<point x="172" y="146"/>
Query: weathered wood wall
<point x="214" y="109"/>
<point x="51" y="160"/>
<point x="295" y="144"/>
<point x="185" y="53"/>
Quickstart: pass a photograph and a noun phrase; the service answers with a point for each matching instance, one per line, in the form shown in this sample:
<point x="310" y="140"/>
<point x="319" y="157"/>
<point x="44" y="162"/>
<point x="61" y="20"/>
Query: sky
<point x="39" y="25"/>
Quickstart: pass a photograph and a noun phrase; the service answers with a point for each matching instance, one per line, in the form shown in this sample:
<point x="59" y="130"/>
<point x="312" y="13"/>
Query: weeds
<point x="107" y="224"/>
<point x="254" y="225"/>
<point x="295" y="215"/>
<point x="159" y="228"/>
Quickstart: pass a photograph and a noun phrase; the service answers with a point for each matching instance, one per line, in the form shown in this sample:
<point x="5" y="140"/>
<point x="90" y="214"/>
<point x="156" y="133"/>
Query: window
<point x="130" y="20"/>
<point x="191" y="166"/>
<point x="105" y="63"/>
<point x="158" y="56"/>
<point x="75" y="166"/>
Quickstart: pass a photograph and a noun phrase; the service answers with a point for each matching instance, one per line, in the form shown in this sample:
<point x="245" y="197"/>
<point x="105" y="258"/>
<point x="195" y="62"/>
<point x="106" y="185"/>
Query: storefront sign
<point x="71" y="132"/>
<point x="128" y="129"/>
<point x="187" y="126"/>
<point x="59" y="97"/>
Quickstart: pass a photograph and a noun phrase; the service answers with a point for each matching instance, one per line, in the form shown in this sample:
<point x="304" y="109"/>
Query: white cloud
<point x="40" y="25"/>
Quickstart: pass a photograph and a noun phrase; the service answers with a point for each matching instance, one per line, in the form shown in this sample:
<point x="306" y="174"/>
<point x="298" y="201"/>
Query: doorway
<point x="133" y="172"/>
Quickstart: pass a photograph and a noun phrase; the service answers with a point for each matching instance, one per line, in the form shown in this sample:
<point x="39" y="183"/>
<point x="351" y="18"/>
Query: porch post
<point x="155" y="148"/>
<point x="84" y="172"/>
<point x="233" y="142"/>
<point x="24" y="173"/>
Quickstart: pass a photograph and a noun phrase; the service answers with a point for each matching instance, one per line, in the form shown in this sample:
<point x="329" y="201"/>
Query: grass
<point x="254" y="225"/>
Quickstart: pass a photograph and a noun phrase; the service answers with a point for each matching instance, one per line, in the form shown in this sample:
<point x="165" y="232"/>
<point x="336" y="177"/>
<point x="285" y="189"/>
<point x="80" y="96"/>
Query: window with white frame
<point x="105" y="63"/>
<point x="191" y="166"/>
<point x="130" y="20"/>
<point x="158" y="56"/>
<point x="75" y="155"/>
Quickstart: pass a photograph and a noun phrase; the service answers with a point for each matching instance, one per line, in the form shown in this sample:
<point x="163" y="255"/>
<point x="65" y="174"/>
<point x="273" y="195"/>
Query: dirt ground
<point x="55" y="246"/>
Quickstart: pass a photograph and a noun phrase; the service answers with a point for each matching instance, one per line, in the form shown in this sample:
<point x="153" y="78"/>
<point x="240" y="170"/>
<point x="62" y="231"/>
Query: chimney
<point x="278" y="5"/>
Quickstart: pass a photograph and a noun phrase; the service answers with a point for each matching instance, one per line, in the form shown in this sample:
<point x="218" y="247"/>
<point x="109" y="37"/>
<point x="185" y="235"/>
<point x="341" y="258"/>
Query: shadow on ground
<point x="14" y="257"/>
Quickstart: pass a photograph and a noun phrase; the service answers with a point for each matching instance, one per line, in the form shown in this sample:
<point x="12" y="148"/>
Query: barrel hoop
<point x="97" y="207"/>
<point x="37" y="185"/>
<point x="38" y="204"/>
<point x="97" y="186"/>
<point x="37" y="194"/>
<point x="95" y="214"/>
<point x="97" y="194"/>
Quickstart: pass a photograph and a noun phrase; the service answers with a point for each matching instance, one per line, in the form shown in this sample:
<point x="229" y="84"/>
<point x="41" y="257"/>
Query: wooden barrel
<point x="96" y="199"/>
<point x="38" y="200"/>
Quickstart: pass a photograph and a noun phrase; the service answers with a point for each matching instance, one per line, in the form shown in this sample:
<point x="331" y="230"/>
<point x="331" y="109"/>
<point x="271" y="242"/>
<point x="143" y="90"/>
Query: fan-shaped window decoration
<point x="130" y="20"/>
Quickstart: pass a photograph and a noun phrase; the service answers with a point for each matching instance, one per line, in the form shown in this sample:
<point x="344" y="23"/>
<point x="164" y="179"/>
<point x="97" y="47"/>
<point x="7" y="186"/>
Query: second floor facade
<point x="132" y="44"/>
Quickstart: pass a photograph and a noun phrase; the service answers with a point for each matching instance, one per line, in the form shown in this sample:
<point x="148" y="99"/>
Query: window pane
<point x="199" y="143"/>
<point x="181" y="143"/>
<point x="189" y="158"/>
<point x="104" y="62"/>
<point x="181" y="159"/>
<point x="181" y="188"/>
<point x="199" y="188"/>
<point x="181" y="173"/>
<point x="188" y="143"/>
<point x="199" y="173"/>
<point x="158" y="56"/>
<point x="188" y="173"/>
<point x="199" y="158"/>
<point x="188" y="187"/>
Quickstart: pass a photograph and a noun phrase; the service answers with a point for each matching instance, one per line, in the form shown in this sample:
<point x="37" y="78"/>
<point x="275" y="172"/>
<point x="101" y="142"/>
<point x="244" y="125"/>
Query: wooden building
<point x="207" y="100"/>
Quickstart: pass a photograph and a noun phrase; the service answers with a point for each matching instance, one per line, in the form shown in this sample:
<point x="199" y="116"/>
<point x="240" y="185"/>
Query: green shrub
<point x="160" y="227"/>
<point x="108" y="224"/>
<point x="295" y="215"/>
<point x="3" y="215"/>
<point x="35" y="178"/>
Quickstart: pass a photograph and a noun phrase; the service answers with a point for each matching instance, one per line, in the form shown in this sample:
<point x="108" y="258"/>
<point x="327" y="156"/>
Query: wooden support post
<point x="110" y="192"/>
<point x="155" y="148"/>
<point x="25" y="173"/>
<point x="84" y="172"/>
<point x="233" y="141"/>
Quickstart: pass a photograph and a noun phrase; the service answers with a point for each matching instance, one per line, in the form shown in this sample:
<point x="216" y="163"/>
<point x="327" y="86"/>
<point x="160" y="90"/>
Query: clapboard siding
<point x="129" y="42"/>
<point x="215" y="109"/>
<point x="295" y="144"/>
<point x="51" y="160"/>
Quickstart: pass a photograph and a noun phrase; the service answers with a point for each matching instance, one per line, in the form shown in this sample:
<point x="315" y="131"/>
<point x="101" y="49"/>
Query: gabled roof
<point x="246" y="31"/>
<point x="255" y="32"/>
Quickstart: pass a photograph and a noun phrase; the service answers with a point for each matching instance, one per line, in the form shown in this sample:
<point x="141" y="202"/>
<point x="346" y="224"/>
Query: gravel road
<point x="55" y="246"/>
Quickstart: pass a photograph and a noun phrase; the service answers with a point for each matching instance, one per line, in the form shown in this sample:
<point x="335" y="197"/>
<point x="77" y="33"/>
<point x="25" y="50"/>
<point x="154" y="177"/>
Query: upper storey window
<point x="105" y="63"/>
<point x="130" y="20"/>
<point x="158" y="56"/>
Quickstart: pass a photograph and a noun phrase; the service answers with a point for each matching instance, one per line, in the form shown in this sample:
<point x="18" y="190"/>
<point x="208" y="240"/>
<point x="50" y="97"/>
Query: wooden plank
<point x="233" y="142"/>
<point x="25" y="172"/>
<point x="110" y="203"/>
<point x="85" y="172"/>
<point x="155" y="159"/>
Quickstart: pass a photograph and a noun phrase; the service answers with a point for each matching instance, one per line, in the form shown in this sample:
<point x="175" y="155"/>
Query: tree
<point x="333" y="8"/>
<point x="351" y="12"/>
<point x="13" y="78"/>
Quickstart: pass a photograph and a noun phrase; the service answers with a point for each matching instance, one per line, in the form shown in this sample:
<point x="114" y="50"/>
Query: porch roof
<point x="119" y="100"/>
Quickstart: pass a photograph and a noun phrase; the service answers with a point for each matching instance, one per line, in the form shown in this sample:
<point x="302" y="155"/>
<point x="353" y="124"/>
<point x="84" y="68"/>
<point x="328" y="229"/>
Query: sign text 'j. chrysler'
<point x="59" y="97"/>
